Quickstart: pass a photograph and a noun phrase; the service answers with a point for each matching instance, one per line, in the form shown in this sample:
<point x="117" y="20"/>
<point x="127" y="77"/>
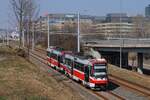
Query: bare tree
<point x="133" y="57"/>
<point x="69" y="27"/>
<point x="31" y="13"/>
<point x="85" y="27"/>
<point x="24" y="11"/>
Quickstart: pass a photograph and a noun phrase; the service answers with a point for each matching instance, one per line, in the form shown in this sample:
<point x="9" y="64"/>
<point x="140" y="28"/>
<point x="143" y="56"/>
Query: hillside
<point x="21" y="80"/>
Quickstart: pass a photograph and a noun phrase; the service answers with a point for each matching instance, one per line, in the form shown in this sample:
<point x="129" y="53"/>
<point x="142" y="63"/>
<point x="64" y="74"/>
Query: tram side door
<point x="86" y="75"/>
<point x="59" y="60"/>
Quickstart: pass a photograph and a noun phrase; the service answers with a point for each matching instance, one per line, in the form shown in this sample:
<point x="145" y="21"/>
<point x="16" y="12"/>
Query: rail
<point x="122" y="82"/>
<point x="128" y="84"/>
<point x="39" y="57"/>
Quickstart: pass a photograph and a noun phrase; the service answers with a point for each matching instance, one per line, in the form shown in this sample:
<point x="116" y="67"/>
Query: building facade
<point x="61" y="23"/>
<point x="117" y="17"/>
<point x="111" y="25"/>
<point x="147" y="11"/>
<point x="110" y="30"/>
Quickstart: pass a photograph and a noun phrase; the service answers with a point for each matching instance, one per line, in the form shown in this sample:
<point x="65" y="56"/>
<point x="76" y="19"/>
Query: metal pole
<point x="120" y="35"/>
<point x="48" y="31"/>
<point x="78" y="32"/>
<point x="120" y="55"/>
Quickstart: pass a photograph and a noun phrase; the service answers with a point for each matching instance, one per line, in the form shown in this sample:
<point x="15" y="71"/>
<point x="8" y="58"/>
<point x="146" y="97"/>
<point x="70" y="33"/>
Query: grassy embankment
<point x="21" y="80"/>
<point x="133" y="77"/>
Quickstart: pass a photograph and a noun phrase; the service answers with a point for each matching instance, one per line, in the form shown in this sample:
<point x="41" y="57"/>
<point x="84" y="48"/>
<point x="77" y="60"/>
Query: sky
<point x="90" y="7"/>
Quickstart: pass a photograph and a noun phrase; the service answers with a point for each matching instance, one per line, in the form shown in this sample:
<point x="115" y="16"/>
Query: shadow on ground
<point x="112" y="86"/>
<point x="146" y="71"/>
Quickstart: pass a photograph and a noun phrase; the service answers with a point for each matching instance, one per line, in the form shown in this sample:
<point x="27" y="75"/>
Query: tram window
<point x="49" y="54"/>
<point x="54" y="56"/>
<point x="68" y="62"/>
<point x="79" y="66"/>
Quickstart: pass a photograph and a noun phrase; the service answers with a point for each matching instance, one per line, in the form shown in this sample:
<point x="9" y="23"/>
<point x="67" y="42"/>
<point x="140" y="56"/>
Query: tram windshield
<point x="100" y="70"/>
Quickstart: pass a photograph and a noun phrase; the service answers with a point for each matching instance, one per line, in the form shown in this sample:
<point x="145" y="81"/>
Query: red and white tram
<point x="91" y="72"/>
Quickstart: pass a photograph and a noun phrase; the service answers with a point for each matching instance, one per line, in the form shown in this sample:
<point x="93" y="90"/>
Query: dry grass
<point x="129" y="75"/>
<point x="6" y="51"/>
<point x="18" y="79"/>
<point x="21" y="80"/>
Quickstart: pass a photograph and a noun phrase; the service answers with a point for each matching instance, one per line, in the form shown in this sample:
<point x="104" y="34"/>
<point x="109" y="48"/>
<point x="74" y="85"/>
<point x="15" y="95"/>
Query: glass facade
<point x="147" y="11"/>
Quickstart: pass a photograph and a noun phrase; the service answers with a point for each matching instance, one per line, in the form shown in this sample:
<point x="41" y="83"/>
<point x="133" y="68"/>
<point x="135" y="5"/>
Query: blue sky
<point x="92" y="7"/>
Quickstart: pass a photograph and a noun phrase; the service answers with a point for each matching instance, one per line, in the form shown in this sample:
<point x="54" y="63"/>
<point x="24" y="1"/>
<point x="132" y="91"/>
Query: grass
<point x="6" y="51"/>
<point x="21" y="80"/>
<point x="130" y="76"/>
<point x="3" y="98"/>
<point x="40" y="46"/>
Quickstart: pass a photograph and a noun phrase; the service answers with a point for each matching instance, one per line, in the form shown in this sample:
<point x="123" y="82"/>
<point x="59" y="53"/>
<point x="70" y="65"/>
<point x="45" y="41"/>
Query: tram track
<point x="59" y="78"/>
<point x="41" y="50"/>
<point x="97" y="93"/>
<point x="127" y="84"/>
<point x="132" y="86"/>
<point x="116" y="95"/>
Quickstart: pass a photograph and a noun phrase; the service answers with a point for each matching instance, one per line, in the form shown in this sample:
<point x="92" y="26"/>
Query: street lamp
<point x="48" y="30"/>
<point x="78" y="35"/>
<point x="120" y="35"/>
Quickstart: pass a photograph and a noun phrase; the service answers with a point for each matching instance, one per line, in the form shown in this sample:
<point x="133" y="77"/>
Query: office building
<point x="117" y="17"/>
<point x="114" y="29"/>
<point x="147" y="11"/>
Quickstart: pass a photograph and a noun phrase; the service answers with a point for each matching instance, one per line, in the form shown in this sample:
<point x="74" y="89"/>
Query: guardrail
<point x="121" y="42"/>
